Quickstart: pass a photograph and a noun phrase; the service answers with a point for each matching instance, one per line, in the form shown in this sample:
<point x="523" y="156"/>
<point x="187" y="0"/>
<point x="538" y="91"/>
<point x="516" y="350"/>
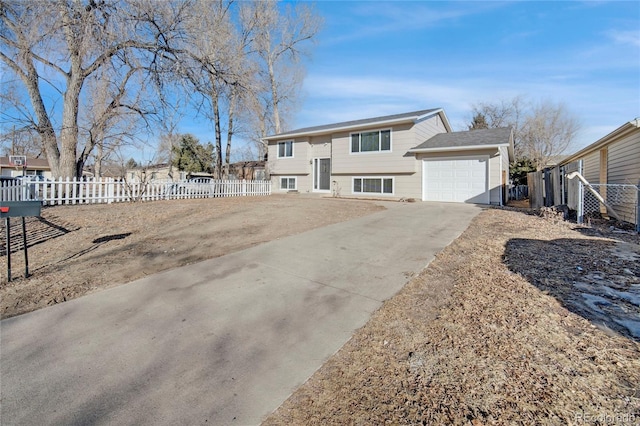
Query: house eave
<point x="609" y="138"/>
<point x="328" y="131"/>
<point x="456" y="148"/>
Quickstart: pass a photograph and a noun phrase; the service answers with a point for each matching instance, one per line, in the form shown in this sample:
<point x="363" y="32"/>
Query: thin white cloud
<point x="369" y="19"/>
<point x="631" y="37"/>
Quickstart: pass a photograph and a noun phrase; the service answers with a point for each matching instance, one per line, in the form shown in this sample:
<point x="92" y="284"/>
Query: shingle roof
<point x="499" y="136"/>
<point x="355" y="123"/>
<point x="33" y="163"/>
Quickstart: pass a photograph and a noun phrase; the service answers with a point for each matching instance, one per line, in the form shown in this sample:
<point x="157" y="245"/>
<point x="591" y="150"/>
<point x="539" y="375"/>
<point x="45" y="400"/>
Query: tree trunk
<point x="216" y="119"/>
<point x="97" y="169"/>
<point x="232" y="108"/>
<point x="69" y="132"/>
<point x="274" y="95"/>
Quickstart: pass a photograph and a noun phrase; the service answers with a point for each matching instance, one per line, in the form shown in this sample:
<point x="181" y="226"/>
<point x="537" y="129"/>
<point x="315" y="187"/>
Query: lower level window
<point x="373" y="185"/>
<point x="288" y="183"/>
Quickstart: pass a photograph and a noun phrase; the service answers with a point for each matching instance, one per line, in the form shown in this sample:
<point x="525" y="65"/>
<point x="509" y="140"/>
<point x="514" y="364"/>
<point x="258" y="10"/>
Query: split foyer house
<point x="411" y="155"/>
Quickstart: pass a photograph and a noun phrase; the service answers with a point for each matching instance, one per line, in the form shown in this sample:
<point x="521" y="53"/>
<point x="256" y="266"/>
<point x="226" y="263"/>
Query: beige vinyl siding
<point x="395" y="161"/>
<point x="624" y="168"/>
<point x="624" y="160"/>
<point x="298" y="164"/>
<point x="319" y="147"/>
<point x="429" y="127"/>
<point x="404" y="186"/>
<point x="495" y="167"/>
<point x="591" y="167"/>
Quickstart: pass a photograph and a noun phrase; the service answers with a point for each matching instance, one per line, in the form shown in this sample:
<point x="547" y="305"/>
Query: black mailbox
<point x="20" y="208"/>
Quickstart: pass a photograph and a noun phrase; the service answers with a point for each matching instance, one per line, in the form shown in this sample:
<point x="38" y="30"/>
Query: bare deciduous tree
<point x="540" y="131"/>
<point x="504" y="113"/>
<point x="54" y="47"/>
<point x="547" y="132"/>
<point x="279" y="40"/>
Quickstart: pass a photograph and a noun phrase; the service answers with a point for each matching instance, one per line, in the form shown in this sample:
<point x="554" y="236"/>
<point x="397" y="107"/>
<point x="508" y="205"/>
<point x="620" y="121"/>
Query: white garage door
<point x="458" y="179"/>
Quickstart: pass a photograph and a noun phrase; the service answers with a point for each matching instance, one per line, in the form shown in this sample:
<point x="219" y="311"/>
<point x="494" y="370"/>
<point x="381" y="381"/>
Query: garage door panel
<point x="456" y="180"/>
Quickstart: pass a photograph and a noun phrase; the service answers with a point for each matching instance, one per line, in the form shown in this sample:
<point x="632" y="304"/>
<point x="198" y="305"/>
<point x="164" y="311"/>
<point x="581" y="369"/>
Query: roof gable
<point x="354" y="124"/>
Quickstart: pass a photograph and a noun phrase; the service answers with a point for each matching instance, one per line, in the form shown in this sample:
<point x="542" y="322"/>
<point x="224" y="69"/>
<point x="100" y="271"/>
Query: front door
<point x="322" y="174"/>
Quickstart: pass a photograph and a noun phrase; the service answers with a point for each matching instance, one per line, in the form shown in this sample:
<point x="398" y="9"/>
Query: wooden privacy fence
<point x="545" y="188"/>
<point x="108" y="190"/>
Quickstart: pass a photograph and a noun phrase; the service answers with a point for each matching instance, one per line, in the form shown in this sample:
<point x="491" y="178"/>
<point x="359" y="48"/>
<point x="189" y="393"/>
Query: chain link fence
<point x="622" y="198"/>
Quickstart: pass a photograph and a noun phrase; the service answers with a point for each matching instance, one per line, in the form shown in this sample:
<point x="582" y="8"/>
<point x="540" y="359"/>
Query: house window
<point x="285" y="149"/>
<point x="288" y="183"/>
<point x="363" y="185"/>
<point x="373" y="141"/>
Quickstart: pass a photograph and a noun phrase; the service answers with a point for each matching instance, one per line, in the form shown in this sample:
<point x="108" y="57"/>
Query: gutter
<point x="630" y="125"/>
<point x="455" y="148"/>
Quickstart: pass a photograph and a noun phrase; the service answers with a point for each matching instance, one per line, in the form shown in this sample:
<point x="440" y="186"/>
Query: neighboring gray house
<point x="410" y="155"/>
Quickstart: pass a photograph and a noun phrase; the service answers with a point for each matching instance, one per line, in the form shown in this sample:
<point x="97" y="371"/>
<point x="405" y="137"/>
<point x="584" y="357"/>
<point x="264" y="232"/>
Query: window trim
<point x="292" y="149"/>
<point x="295" y="183"/>
<point x="382" y="178"/>
<point x="379" y="151"/>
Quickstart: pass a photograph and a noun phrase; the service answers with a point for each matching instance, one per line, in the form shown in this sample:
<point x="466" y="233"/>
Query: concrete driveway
<point x="224" y="341"/>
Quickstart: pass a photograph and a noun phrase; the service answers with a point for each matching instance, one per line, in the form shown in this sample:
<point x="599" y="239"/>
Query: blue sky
<point x="375" y="58"/>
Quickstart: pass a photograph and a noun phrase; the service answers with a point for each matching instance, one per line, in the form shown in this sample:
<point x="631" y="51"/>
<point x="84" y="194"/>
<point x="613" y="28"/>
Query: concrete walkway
<point x="220" y="342"/>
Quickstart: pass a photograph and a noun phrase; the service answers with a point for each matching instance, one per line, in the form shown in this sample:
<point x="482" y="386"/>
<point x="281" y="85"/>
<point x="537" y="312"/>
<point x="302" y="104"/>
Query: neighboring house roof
<point x="32" y="163"/>
<point x="466" y="140"/>
<point x="255" y="164"/>
<point x="414" y="116"/>
<point x="555" y="160"/>
<point x="620" y="131"/>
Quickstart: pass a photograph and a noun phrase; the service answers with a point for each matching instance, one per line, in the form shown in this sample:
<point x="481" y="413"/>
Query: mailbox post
<point x="21" y="209"/>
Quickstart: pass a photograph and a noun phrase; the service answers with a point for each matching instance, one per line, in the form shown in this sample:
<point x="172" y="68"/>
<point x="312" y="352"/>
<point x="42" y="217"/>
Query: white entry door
<point x="456" y="179"/>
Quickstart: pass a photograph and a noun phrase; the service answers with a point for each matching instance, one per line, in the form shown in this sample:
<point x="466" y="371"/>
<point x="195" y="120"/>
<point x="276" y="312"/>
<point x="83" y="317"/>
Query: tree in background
<point x="193" y="157"/>
<point x="519" y="169"/>
<point x="547" y="132"/>
<point x="21" y="141"/>
<point x="280" y="38"/>
<point x="540" y="131"/>
<point x="478" y="122"/>
<point x="87" y="73"/>
<point x="61" y="44"/>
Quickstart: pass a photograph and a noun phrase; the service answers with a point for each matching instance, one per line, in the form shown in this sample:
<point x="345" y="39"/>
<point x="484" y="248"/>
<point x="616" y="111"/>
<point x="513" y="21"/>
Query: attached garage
<point x="466" y="167"/>
<point x="456" y="179"/>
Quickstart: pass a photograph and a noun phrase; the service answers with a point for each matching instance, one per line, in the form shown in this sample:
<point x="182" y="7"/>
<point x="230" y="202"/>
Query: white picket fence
<point x="108" y="190"/>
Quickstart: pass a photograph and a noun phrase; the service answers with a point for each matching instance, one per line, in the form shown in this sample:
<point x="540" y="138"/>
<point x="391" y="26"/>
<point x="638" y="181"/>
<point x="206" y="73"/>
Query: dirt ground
<point x="521" y="320"/>
<point x="75" y="250"/>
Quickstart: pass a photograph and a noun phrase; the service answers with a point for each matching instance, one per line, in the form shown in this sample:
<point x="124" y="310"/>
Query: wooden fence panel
<point x="536" y="188"/>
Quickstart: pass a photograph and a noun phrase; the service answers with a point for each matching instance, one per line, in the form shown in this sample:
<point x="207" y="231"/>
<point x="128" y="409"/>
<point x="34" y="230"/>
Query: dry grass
<point x="483" y="336"/>
<point x="76" y="250"/>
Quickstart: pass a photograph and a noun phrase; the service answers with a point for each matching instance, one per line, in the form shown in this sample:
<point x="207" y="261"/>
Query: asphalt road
<point x="224" y="341"/>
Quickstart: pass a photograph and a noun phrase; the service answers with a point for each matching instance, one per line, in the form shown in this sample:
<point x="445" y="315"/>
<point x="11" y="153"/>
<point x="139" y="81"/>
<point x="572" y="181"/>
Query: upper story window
<point x="285" y="149"/>
<point x="371" y="141"/>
